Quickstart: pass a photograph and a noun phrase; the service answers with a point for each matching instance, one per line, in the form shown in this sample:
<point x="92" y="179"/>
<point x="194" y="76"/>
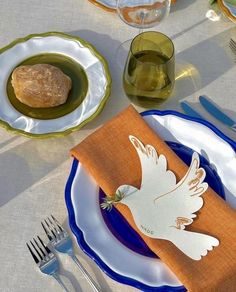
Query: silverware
<point x="45" y="259"/>
<point x="217" y="113"/>
<point x="187" y="108"/>
<point x="232" y="45"/>
<point x="61" y="242"/>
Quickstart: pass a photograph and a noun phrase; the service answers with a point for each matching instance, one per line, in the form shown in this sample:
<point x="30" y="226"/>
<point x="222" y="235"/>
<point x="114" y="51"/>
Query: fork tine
<point x="44" y="245"/>
<point x="232" y="41"/>
<point x="54" y="227"/>
<point x="53" y="233"/>
<point x="232" y="44"/>
<point x="58" y="224"/>
<point x="38" y="253"/>
<point x="232" y="47"/>
<point x="52" y="223"/>
<point x="40" y="248"/>
<point x="33" y="255"/>
<point x="46" y="231"/>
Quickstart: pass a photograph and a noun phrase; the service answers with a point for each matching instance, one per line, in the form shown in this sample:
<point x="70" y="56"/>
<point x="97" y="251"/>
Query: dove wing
<point x="186" y="196"/>
<point x="151" y="163"/>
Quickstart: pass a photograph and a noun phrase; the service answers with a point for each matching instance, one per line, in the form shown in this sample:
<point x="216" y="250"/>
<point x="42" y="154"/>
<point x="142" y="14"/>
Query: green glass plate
<point x="76" y="96"/>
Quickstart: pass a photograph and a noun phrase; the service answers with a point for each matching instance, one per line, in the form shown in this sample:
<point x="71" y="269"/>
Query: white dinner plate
<point x="94" y="235"/>
<point x="70" y="53"/>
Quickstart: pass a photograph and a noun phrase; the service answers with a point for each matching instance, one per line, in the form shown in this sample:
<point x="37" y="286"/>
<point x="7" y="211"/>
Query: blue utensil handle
<point x="189" y="110"/>
<point x="216" y="112"/>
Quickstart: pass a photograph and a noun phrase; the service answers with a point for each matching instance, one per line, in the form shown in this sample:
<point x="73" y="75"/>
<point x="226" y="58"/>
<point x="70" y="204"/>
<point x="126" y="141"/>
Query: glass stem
<point x="142" y="17"/>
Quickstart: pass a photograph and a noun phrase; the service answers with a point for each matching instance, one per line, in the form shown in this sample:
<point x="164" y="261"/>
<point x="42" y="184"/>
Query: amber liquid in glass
<point x="148" y="77"/>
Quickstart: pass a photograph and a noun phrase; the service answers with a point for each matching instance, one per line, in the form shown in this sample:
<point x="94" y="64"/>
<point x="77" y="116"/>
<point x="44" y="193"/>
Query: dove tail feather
<point x="138" y="145"/>
<point x="193" y="244"/>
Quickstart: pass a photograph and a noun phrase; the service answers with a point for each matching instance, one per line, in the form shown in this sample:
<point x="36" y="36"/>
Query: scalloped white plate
<point x="94" y="65"/>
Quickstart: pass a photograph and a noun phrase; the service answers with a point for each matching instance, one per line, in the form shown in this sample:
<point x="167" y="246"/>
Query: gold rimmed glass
<point x="149" y="72"/>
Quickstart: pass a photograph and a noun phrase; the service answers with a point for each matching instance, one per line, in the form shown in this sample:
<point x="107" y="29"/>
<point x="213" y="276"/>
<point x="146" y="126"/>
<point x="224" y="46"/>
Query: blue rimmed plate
<point x="107" y="238"/>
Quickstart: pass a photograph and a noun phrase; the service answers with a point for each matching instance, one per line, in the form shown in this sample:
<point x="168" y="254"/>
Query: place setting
<point x="148" y="80"/>
<point x="150" y="194"/>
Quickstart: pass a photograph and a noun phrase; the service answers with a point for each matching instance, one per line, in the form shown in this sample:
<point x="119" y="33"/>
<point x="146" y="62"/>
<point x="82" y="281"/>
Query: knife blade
<point x="217" y="113"/>
<point x="189" y="110"/>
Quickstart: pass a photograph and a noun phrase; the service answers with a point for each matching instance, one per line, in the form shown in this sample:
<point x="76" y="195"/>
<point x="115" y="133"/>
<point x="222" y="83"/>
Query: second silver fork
<point x="61" y="242"/>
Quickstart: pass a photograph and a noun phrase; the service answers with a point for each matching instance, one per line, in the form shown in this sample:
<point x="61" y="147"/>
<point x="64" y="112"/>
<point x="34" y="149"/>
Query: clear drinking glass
<point x="149" y="72"/>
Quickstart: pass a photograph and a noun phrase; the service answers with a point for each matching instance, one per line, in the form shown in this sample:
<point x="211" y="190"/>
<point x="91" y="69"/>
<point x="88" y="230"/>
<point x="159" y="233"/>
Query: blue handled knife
<point x="189" y="110"/>
<point x="217" y="113"/>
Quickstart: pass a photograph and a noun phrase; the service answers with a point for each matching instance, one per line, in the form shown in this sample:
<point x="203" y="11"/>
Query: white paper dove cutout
<point x="162" y="208"/>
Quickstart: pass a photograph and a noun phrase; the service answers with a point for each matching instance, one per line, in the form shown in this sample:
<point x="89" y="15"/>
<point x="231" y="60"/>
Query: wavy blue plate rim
<point x="79" y="234"/>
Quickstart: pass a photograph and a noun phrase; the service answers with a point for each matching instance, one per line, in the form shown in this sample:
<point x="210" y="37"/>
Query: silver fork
<point x="45" y="259"/>
<point x="232" y="45"/>
<point x="61" y="242"/>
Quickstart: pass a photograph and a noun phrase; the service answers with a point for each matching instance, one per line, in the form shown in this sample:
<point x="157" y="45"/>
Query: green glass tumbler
<point x="149" y="72"/>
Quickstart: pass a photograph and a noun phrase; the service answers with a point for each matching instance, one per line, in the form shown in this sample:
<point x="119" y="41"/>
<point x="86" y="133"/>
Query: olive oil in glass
<point x="148" y="77"/>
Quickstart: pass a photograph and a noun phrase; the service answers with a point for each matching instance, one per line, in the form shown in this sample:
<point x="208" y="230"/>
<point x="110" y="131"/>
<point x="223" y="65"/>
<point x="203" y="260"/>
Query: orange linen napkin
<point x="112" y="160"/>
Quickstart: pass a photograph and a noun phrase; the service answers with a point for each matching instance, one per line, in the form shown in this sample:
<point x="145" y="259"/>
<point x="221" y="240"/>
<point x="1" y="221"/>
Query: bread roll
<point x="41" y="85"/>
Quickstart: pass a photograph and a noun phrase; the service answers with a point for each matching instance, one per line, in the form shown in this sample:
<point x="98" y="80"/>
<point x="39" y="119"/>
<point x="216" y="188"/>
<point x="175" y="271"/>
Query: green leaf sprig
<point x="109" y="201"/>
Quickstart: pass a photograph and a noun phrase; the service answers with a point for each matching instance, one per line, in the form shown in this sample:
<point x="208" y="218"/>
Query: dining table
<point x="34" y="172"/>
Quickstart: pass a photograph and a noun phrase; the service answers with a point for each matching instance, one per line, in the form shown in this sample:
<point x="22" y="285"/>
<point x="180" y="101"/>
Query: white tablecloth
<point x="33" y="173"/>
